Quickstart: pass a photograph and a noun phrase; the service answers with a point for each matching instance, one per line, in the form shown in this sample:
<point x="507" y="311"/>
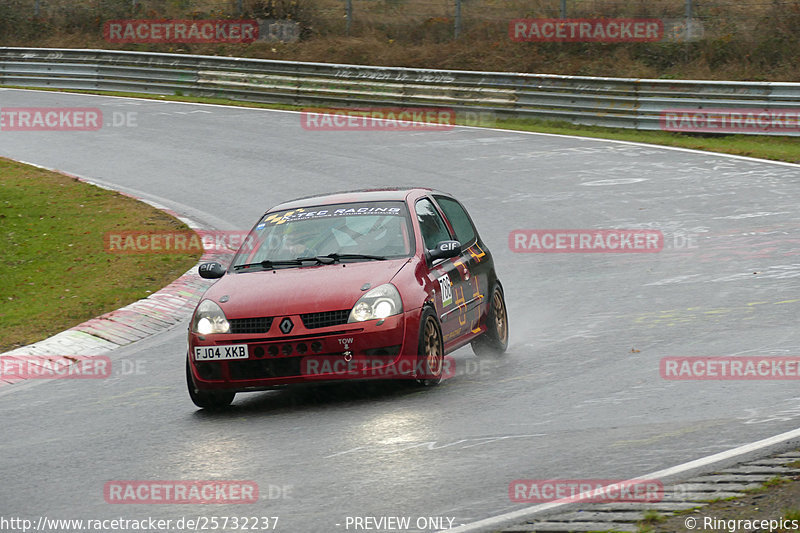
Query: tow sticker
<point x="447" y="290"/>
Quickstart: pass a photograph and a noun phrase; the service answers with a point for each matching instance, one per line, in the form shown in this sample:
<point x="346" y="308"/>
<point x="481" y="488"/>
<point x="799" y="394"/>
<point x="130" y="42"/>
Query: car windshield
<point x="352" y="231"/>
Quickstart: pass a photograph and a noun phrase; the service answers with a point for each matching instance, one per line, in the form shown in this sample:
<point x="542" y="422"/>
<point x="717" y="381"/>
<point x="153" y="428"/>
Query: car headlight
<point x="380" y="302"/>
<point x="209" y="319"/>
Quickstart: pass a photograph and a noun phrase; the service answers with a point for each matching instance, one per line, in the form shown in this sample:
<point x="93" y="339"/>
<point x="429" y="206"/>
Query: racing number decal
<point x="447" y="290"/>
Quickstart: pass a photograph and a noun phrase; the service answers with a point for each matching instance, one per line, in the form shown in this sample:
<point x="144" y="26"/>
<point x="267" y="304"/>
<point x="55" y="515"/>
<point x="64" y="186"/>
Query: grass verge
<point x="776" y="148"/>
<point x="777" y="499"/>
<point x="56" y="273"/>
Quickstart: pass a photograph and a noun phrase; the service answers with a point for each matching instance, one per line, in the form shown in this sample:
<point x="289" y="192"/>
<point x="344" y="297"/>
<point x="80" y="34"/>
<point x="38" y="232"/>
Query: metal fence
<point x="617" y="102"/>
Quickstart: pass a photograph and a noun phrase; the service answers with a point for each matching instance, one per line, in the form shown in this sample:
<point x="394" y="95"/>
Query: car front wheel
<point x="206" y="399"/>
<point x="430" y="358"/>
<point x="494" y="341"/>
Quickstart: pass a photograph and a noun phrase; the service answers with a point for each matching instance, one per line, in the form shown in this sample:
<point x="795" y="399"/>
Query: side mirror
<point x="445" y="250"/>
<point x="211" y="270"/>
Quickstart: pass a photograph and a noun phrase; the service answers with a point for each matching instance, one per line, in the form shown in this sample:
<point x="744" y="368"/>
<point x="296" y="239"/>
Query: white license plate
<point x="220" y="353"/>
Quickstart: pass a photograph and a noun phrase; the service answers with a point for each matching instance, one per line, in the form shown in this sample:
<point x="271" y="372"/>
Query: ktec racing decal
<point x="347" y="210"/>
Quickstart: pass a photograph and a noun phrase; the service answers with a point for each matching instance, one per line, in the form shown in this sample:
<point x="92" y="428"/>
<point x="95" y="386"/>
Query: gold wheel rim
<point x="500" y="318"/>
<point x="432" y="348"/>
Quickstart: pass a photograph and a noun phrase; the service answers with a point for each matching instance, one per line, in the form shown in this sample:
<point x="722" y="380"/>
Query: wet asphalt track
<point x="579" y="395"/>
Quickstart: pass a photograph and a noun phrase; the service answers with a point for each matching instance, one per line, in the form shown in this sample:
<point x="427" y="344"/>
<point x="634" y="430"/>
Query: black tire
<point x="494" y="341"/>
<point x="207" y="399"/>
<point x="430" y="351"/>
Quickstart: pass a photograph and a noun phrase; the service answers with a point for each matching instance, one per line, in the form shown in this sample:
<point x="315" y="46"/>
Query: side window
<point x="462" y="225"/>
<point x="433" y="228"/>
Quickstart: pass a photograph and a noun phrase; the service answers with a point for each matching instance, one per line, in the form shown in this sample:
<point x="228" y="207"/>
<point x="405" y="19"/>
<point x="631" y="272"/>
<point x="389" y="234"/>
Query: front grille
<point x="325" y="319"/>
<point x="291" y="338"/>
<point x="285" y="349"/>
<point x="251" y="325"/>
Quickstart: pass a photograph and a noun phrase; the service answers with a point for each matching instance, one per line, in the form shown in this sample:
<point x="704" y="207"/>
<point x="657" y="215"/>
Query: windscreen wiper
<point x="271" y="264"/>
<point x="319" y="259"/>
<point x="339" y="257"/>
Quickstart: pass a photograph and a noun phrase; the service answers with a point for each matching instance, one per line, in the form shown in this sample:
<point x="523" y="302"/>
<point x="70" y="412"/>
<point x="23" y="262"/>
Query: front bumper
<point x="364" y="350"/>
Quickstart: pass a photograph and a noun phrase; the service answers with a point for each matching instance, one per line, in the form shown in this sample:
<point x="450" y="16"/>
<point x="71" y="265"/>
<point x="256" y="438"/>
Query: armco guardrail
<point x="617" y="102"/>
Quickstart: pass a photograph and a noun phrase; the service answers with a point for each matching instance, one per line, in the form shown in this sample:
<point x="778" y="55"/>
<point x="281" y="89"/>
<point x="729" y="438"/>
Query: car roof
<point x="360" y="195"/>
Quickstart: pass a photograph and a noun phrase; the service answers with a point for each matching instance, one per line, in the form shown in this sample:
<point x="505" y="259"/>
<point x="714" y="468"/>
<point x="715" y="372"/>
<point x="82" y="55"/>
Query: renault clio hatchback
<point x="377" y="284"/>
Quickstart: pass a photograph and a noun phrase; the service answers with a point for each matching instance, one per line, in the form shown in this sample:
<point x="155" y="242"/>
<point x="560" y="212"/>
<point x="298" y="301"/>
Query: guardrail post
<point x="564" y="8"/>
<point x="458" y="19"/>
<point x="348" y="7"/>
<point x="36" y="8"/>
<point x="239" y="8"/>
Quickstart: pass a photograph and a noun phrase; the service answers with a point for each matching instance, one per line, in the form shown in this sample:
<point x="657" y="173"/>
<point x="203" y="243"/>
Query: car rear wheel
<point x="430" y="358"/>
<point x="494" y="341"/>
<point x="206" y="399"/>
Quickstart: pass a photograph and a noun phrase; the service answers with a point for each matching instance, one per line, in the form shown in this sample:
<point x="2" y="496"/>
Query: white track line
<point x="515" y="517"/>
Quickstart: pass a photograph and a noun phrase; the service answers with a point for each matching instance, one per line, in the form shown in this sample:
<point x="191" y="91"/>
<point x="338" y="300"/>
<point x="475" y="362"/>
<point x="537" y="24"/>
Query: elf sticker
<point x="447" y="290"/>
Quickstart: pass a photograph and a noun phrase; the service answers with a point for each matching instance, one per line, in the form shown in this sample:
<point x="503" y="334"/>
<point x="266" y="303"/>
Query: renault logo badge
<point x="286" y="325"/>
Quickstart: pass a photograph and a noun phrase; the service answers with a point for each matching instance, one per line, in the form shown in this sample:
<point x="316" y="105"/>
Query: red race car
<point x="356" y="285"/>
